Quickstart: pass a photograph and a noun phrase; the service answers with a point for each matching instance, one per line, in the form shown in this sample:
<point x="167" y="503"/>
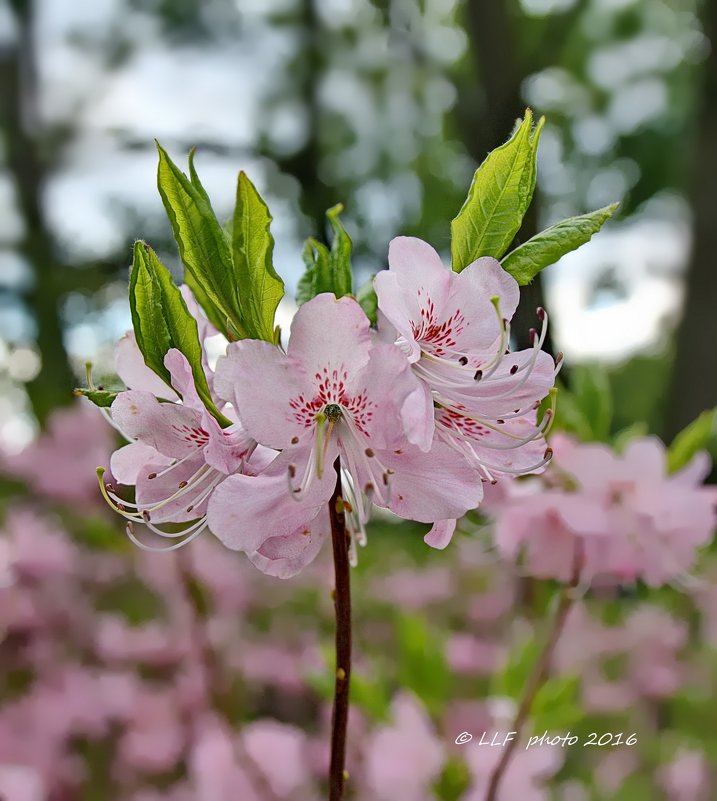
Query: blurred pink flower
<point x="21" y="783"/>
<point x="686" y="777"/>
<point x="631" y="518"/>
<point x="403" y="758"/>
<point x="61" y="462"/>
<point x="279" y="751"/>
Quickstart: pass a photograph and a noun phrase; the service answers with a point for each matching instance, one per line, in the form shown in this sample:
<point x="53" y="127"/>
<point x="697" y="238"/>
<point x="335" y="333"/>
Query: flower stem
<point x="538" y="677"/>
<point x="342" y="607"/>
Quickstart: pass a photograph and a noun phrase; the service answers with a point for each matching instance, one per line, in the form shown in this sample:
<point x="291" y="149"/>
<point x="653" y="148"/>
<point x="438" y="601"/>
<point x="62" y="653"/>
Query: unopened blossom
<point x="454" y="328"/>
<point x="623" y="514"/>
<point x="335" y="393"/>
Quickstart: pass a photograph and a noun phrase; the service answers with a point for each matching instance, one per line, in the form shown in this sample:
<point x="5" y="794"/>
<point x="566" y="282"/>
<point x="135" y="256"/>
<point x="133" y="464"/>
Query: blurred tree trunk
<point x="490" y="109"/>
<point x="304" y="164"/>
<point x="694" y="377"/>
<point x="53" y="385"/>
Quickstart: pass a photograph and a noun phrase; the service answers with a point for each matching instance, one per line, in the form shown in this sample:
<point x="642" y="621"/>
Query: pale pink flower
<point x="60" y="463"/>
<point x="179" y="456"/>
<point x="214" y="769"/>
<point x="334" y="393"/>
<point x="403" y="758"/>
<point x="22" y="783"/>
<point x="623" y="514"/>
<point x="279" y="751"/>
<point x="454" y="330"/>
<point x="686" y="777"/>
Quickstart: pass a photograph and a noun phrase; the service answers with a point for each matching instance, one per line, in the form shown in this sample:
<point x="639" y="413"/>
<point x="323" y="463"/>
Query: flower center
<point x="333" y="412"/>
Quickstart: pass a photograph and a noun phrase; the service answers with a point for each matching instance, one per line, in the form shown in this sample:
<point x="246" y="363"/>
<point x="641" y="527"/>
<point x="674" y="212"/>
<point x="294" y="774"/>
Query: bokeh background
<point x="388" y="107"/>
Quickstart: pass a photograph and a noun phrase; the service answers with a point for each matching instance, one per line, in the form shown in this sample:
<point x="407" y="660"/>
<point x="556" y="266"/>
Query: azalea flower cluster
<point x="624" y="515"/>
<point x="434" y="393"/>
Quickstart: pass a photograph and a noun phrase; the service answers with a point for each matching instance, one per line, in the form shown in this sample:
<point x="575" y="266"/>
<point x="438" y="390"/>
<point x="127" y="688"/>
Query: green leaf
<point x="499" y="196"/>
<point x="327" y="270"/>
<point x="367" y="299"/>
<point x="162" y="321"/>
<point x="203" y="245"/>
<point x="454" y="781"/>
<point x="692" y="439"/>
<point x="545" y="248"/>
<point x="100" y="397"/>
<point x="340" y="255"/>
<point x="259" y="287"/>
<point x="623" y="437"/>
<point x="586" y="409"/>
<point x="317" y="276"/>
<point x="422" y="665"/>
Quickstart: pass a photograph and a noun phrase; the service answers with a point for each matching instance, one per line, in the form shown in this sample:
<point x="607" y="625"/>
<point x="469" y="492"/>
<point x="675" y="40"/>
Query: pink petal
<point x="170" y="428"/>
<point x="432" y="486"/>
<point x="397" y="310"/>
<point x="127" y="462"/>
<point x="288" y="555"/>
<point x="331" y="334"/>
<point x="261" y="382"/>
<point x="183" y="378"/>
<point x="245" y="511"/>
<point x="416" y="280"/>
<point x="167" y="483"/>
<point x="130" y="367"/>
<point x="400" y="406"/>
<point x="695" y="472"/>
<point x="645" y="457"/>
<point x="441" y="534"/>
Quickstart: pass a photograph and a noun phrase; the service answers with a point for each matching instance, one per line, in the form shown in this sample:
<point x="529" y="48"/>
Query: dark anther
<point x="478" y="375"/>
<point x="463" y="360"/>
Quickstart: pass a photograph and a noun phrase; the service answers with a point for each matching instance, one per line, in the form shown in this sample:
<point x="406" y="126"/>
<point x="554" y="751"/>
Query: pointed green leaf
<point x="100" y="397"/>
<point x="327" y="270"/>
<point x="366" y="296"/>
<point x="259" y="287"/>
<point x="499" y="196"/>
<point x="586" y="409"/>
<point x="340" y="255"/>
<point x="202" y="243"/>
<point x="693" y="438"/>
<point x="161" y="321"/>
<point x="545" y="248"/>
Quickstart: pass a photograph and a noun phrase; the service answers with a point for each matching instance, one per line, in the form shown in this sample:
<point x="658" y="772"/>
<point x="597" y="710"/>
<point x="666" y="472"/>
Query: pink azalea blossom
<point x="177" y="456"/>
<point x="625" y="515"/>
<point x="403" y="758"/>
<point x="60" y="462"/>
<point x="454" y="330"/>
<point x="334" y="393"/>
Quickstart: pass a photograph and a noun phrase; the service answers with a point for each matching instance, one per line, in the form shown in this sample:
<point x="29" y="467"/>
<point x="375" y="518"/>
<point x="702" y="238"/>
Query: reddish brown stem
<point x="342" y="607"/>
<point x="537" y="679"/>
